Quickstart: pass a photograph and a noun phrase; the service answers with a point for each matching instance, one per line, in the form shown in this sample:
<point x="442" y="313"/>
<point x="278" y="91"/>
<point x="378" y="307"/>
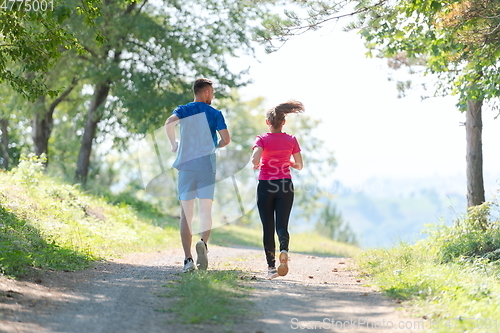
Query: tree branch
<point x="306" y="28"/>
<point x="61" y="98"/>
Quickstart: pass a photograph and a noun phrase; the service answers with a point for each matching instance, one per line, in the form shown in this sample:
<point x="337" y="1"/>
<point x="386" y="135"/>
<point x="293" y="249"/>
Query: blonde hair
<point x="277" y="114"/>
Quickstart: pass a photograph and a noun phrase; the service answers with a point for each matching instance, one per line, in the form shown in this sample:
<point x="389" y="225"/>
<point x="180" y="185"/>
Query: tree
<point x="458" y="41"/>
<point x="31" y="40"/>
<point x="11" y="120"/>
<point x="43" y="116"/>
<point x="331" y="224"/>
<point x="150" y="56"/>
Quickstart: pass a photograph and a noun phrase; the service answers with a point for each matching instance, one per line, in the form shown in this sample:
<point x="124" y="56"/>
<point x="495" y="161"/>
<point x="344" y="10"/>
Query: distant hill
<point x="386" y="211"/>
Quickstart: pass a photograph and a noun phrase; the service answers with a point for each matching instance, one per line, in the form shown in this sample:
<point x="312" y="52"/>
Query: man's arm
<point x="225" y="138"/>
<point x="170" y="130"/>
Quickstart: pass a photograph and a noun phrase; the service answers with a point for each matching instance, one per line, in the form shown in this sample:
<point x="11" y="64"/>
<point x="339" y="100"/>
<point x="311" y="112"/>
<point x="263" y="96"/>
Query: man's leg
<point x="187" y="212"/>
<point x="206" y="218"/>
<point x="206" y="225"/>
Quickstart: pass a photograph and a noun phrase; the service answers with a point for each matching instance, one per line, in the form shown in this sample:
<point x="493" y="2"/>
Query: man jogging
<point x="195" y="161"/>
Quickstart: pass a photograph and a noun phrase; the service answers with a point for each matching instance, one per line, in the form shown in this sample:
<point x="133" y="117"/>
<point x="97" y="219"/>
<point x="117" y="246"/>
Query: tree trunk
<point x="41" y="124"/>
<point x="94" y="115"/>
<point x="43" y="121"/>
<point x="4" y="127"/>
<point x="474" y="157"/>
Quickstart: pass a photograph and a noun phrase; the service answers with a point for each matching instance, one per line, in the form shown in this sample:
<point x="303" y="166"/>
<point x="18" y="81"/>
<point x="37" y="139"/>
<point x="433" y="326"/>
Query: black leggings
<point x="274" y="201"/>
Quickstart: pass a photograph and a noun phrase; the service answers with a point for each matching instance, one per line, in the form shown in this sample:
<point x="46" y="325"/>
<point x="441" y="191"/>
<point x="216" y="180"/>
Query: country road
<point x="320" y="294"/>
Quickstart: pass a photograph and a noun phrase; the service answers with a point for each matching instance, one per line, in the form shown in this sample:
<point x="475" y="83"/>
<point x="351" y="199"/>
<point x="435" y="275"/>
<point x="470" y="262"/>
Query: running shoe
<point x="283" y="267"/>
<point x="272" y="273"/>
<point x="202" y="260"/>
<point x="188" y="265"/>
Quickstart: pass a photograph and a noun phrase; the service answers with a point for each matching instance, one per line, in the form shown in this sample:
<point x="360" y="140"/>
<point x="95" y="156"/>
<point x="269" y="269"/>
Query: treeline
<point x="130" y="63"/>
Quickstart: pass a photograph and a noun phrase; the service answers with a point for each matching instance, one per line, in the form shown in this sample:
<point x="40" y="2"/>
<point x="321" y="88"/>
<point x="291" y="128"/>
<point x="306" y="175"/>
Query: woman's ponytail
<point x="277" y="115"/>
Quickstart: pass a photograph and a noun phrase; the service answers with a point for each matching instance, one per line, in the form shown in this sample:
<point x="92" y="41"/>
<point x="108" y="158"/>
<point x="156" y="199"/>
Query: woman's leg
<point x="283" y="204"/>
<point x="265" y="205"/>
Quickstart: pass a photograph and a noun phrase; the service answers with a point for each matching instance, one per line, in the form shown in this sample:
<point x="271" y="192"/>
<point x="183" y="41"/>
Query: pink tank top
<point x="275" y="160"/>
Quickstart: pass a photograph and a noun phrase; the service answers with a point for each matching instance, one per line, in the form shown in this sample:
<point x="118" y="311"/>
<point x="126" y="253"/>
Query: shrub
<point x="477" y="235"/>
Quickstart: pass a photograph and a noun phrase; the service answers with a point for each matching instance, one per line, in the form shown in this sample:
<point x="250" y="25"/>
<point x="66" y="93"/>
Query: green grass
<point x="48" y="224"/>
<point x="213" y="297"/>
<point x="451" y="278"/>
<point x="22" y="245"/>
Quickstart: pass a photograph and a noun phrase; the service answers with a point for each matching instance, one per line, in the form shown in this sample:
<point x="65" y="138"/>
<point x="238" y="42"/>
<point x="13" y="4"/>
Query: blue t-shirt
<point x="199" y="123"/>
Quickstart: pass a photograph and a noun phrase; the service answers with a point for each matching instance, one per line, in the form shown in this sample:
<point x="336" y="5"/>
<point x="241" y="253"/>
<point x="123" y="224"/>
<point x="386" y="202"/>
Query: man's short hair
<point x="201" y="84"/>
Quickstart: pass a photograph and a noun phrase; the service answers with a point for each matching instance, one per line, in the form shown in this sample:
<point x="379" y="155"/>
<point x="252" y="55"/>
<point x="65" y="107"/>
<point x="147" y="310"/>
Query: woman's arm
<point x="256" y="155"/>
<point x="296" y="161"/>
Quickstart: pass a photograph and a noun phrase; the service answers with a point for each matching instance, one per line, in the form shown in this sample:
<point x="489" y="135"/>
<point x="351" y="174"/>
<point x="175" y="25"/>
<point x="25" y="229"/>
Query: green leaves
<point x="61" y="13"/>
<point x="445" y="33"/>
<point x="31" y="41"/>
<point x="448" y="35"/>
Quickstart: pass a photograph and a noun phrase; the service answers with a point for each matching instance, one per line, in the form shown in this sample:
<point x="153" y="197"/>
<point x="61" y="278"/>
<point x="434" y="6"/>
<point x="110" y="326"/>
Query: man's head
<point x="203" y="91"/>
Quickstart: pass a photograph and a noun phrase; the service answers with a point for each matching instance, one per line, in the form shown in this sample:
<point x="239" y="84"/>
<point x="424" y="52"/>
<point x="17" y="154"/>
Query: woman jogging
<point x="274" y="153"/>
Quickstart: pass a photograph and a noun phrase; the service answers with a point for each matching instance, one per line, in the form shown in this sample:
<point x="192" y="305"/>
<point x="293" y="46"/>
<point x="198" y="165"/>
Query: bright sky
<point x="371" y="131"/>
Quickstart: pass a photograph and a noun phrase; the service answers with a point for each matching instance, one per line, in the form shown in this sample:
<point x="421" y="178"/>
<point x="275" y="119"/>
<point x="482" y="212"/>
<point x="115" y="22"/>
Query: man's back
<point x="199" y="123"/>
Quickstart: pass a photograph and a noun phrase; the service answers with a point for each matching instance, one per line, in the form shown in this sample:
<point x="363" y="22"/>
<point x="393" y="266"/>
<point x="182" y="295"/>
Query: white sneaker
<point x="188" y="265"/>
<point x="201" y="251"/>
<point x="271" y="273"/>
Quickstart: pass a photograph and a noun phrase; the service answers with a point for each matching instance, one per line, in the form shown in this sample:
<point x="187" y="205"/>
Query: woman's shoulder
<point x="290" y="136"/>
<point x="262" y="136"/>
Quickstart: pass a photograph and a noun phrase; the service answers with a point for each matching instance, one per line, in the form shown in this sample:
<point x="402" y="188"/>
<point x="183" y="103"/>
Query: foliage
<point x="452" y="278"/>
<point x="451" y="297"/>
<point x="152" y="53"/>
<point x="31" y="40"/>
<point x="29" y="170"/>
<point x="331" y="224"/>
<point x="209" y="297"/>
<point x="10" y="105"/>
<point x="245" y="119"/>
<point x="456" y="40"/>
<point x="475" y="236"/>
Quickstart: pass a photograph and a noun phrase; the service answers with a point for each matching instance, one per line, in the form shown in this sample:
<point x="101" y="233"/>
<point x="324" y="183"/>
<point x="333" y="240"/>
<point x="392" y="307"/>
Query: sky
<point x="372" y="132"/>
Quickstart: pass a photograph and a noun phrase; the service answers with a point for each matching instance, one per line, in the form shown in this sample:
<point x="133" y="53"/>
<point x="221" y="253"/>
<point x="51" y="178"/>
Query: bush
<point x="477" y="235"/>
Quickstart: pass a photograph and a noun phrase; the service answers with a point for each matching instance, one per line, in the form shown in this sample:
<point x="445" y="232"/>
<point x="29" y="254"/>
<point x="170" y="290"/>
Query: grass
<point x="451" y="279"/>
<point x="22" y="245"/>
<point x="51" y="225"/>
<point x="210" y="297"/>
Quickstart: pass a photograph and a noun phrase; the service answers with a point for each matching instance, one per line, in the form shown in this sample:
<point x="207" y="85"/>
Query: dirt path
<point x="319" y="294"/>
